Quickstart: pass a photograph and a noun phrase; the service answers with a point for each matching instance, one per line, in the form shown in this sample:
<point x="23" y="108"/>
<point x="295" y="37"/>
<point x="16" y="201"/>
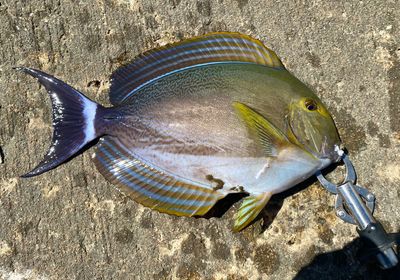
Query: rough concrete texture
<point x="71" y="224"/>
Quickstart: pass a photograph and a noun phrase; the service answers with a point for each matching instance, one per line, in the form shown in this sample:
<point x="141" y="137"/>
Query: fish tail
<point x="73" y="121"/>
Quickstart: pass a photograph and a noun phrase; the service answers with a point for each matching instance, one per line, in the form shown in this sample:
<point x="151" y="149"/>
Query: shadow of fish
<point x="194" y="121"/>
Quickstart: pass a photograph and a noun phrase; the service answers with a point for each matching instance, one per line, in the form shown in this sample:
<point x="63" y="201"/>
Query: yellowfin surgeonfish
<point x="194" y="121"/>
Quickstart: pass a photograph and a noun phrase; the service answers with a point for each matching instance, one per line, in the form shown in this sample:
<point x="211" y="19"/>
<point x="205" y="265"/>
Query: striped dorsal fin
<point x="149" y="186"/>
<point x="210" y="48"/>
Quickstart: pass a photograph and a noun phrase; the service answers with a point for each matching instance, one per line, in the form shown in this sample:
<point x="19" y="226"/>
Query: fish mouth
<point x="332" y="152"/>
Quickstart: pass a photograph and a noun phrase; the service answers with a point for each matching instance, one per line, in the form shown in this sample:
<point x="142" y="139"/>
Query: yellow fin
<point x="267" y="135"/>
<point x="250" y="208"/>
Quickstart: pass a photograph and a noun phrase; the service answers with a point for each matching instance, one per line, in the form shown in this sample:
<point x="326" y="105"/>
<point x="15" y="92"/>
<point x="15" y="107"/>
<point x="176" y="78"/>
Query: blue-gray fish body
<point x="195" y="121"/>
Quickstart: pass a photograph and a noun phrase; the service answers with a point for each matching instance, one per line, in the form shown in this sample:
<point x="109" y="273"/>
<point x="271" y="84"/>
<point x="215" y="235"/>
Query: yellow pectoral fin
<point x="250" y="208"/>
<point x="266" y="134"/>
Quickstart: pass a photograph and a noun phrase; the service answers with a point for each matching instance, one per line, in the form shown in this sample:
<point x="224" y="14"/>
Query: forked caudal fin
<point x="73" y="121"/>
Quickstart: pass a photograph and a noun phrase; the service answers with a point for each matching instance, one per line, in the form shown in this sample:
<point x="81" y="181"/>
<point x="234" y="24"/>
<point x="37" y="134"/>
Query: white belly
<point x="255" y="175"/>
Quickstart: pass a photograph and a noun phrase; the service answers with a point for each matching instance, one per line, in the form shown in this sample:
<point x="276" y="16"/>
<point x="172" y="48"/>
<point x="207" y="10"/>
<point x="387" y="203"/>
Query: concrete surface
<point x="71" y="224"/>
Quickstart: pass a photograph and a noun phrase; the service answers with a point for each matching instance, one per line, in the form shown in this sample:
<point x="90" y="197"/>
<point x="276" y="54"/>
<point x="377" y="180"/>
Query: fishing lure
<point x="194" y="121"/>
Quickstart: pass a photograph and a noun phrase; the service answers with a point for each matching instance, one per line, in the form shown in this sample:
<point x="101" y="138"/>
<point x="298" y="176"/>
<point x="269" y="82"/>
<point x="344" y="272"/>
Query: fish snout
<point x="333" y="152"/>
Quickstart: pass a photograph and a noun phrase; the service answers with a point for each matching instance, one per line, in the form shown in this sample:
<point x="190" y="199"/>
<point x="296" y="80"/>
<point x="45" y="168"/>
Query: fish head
<point x="313" y="128"/>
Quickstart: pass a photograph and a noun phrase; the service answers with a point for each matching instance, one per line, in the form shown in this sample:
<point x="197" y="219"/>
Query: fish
<point x="194" y="121"/>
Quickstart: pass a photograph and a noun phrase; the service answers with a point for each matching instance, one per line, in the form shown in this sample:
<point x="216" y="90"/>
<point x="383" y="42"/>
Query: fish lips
<point x="334" y="154"/>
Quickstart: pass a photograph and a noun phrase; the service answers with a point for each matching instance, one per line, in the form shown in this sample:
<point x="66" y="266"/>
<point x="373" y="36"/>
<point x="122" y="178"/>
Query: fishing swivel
<point x="355" y="205"/>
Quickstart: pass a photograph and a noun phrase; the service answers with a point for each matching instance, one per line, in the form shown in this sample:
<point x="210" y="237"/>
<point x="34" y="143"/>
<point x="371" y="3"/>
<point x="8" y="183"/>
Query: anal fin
<point x="250" y="208"/>
<point x="152" y="187"/>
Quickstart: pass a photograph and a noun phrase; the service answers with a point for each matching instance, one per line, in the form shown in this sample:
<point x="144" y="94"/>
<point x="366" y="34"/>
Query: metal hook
<point x="350" y="177"/>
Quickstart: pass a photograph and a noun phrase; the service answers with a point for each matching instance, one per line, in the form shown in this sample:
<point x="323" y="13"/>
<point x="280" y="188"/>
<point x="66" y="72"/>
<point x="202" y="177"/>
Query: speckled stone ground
<point x="71" y="224"/>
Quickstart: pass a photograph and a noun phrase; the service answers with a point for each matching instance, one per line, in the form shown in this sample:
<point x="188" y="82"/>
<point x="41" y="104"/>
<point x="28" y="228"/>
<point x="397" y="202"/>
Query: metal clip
<point x="350" y="179"/>
<point x="355" y="205"/>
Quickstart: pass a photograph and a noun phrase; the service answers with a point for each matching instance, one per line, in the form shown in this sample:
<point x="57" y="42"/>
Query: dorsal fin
<point x="210" y="48"/>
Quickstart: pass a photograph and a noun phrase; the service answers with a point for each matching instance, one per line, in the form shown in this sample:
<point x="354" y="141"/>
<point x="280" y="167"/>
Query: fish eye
<point x="311" y="105"/>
